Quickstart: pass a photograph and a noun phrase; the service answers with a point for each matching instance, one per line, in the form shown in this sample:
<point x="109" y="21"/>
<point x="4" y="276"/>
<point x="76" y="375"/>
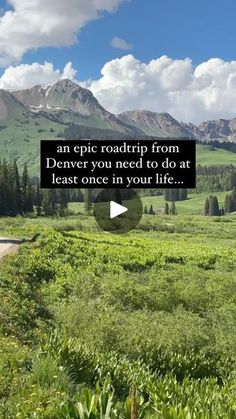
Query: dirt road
<point x="8" y="246"/>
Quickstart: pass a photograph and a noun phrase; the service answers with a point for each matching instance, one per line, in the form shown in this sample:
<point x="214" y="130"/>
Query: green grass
<point x="208" y="156"/>
<point x="22" y="142"/>
<point x="202" y="229"/>
<point x="194" y="205"/>
<point x="20" y="137"/>
<point x="86" y="315"/>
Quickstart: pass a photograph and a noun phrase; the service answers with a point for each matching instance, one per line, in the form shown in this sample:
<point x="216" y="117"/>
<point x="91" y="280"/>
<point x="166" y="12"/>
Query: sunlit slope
<point x="21" y="130"/>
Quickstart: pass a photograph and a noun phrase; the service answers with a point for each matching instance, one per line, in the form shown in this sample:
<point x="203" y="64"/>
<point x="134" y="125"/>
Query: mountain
<point x="67" y="102"/>
<point x="47" y="112"/>
<point x="155" y="124"/>
<point x="219" y="130"/>
<point x="11" y="108"/>
<point x="21" y="129"/>
<point x="164" y="125"/>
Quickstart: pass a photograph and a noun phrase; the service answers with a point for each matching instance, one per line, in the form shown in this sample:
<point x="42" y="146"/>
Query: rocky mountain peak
<point x="155" y="124"/>
<point x="66" y="102"/>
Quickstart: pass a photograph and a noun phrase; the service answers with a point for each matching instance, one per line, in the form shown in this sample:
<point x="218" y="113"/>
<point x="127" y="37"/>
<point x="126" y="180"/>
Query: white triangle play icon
<point x="116" y="209"/>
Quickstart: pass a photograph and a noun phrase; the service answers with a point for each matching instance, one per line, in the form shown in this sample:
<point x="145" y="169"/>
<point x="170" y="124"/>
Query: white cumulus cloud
<point x="120" y="43"/>
<point x="31" y="24"/>
<point x="27" y="75"/>
<point x="189" y="93"/>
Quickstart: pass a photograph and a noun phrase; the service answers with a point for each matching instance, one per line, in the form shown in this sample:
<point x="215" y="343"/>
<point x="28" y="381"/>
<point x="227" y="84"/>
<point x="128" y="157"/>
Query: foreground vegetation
<point x="101" y="326"/>
<point x="194" y="205"/>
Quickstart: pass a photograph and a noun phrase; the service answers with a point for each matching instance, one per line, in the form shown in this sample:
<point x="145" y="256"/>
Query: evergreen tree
<point x="222" y="212"/>
<point x="87" y="201"/>
<point x="216" y="205"/>
<point x="24" y="183"/>
<point x="6" y="198"/>
<point x="231" y="204"/>
<point x="29" y="198"/>
<point x="145" y="211"/>
<point x="166" y="209"/>
<point x="206" y="208"/>
<point x="38" y="199"/>
<point x="27" y="193"/>
<point x="233" y="180"/>
<point x="233" y="197"/>
<point x="173" y="210"/>
<point x="17" y="188"/>
<point x="227" y="204"/>
<point x="166" y="194"/>
<point x="183" y="194"/>
<point x="213" y="206"/>
<point x="19" y="194"/>
<point x="49" y="205"/>
<point x="151" y="212"/>
<point x="63" y="202"/>
<point x="10" y="190"/>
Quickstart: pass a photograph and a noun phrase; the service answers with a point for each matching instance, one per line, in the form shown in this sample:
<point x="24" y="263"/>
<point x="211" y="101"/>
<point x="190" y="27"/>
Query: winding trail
<point x="8" y="246"/>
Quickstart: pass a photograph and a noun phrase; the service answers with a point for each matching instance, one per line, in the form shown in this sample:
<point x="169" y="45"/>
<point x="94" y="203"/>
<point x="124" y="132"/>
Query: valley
<point x="48" y="112"/>
<point x="96" y="325"/>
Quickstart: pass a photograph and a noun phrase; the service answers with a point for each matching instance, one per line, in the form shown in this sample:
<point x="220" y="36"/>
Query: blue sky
<point x="197" y="29"/>
<point x="182" y="60"/>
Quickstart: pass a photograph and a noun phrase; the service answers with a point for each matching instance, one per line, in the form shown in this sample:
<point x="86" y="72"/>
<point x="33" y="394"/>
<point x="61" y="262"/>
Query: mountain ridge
<point x="70" y="102"/>
<point x="65" y="102"/>
<point x="155" y="124"/>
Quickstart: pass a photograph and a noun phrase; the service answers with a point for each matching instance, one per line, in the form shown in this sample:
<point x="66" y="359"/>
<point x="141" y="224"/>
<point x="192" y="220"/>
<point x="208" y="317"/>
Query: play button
<point x="117" y="211"/>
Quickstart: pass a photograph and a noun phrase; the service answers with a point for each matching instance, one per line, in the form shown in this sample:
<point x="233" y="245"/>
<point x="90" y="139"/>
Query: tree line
<point x="212" y="207"/>
<point x="21" y="195"/>
<point x="175" y="195"/>
<point x="16" y="192"/>
<point x="79" y="132"/>
<point x="168" y="209"/>
<point x="230" y="202"/>
<point x="215" y="170"/>
<point x="226" y="145"/>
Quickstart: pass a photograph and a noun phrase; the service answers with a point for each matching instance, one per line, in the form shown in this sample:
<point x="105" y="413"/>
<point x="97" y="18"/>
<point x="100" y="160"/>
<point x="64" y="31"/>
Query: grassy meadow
<point x="194" y="205"/>
<point x="30" y="134"/>
<point x="141" y="325"/>
<point x="96" y="325"/>
<point x="210" y="156"/>
<point x="102" y="326"/>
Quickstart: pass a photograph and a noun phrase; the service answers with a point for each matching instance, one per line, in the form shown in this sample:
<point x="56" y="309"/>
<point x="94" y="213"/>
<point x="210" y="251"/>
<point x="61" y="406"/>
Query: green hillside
<point x="21" y="141"/>
<point x="194" y="205"/>
<point x="21" y="132"/>
<point x="88" y="317"/>
<point x="209" y="156"/>
<point x="40" y="113"/>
